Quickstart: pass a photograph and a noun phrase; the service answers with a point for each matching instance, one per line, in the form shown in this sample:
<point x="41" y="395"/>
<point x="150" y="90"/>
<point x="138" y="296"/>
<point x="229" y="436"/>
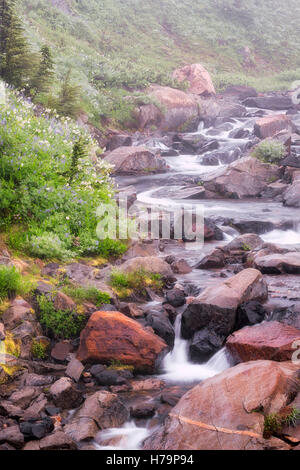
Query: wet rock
<point x="246" y="177"/>
<point x="113" y="336"/>
<point x="216" y="259"/>
<point x="239" y="134"/>
<point x="175" y="297"/>
<point x="64" y="394"/>
<point x="241" y="92"/>
<point x="119" y="140"/>
<point x="200" y="82"/>
<point x="216" y="307"/>
<point x="291" y="197"/>
<point x="35" y="380"/>
<point x="102" y="410"/>
<point x="250" y="313"/>
<point x="112" y="377"/>
<point x="36" y="429"/>
<point x="278" y="263"/>
<point x="274" y="190"/>
<point x="57" y="441"/>
<point x="196" y="192"/>
<point x="181" y="267"/>
<point x="135" y="160"/>
<point x="222" y="412"/>
<point x="246" y="242"/>
<point x="144" y="411"/>
<point x="210" y="160"/>
<point x="253" y="226"/>
<point x="128" y="195"/>
<point x="204" y="345"/>
<point x="35" y="410"/>
<point x="212" y="231"/>
<point x="275" y="103"/>
<point x="147" y="385"/>
<point x="270" y="125"/>
<point x="161" y="326"/>
<point x="291" y="161"/>
<point x="12" y="436"/>
<point x="270" y="340"/>
<point x="288" y="315"/>
<point x="75" y="369"/>
<point x="149" y="264"/>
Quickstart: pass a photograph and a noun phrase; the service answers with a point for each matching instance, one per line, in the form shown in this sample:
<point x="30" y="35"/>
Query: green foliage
<point x="57" y="323"/>
<point x="274" y="422"/>
<point x="89" y="294"/>
<point x="12" y="283"/>
<point x="44" y="75"/>
<point x="16" y="60"/>
<point x="269" y="151"/>
<point x="126" y="284"/>
<point x="50" y="186"/>
<point x="118" y="365"/>
<point x="67" y="103"/>
<point x="38" y="350"/>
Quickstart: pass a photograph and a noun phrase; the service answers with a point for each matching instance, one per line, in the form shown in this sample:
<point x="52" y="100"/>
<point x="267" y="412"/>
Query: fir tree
<point x="44" y="76"/>
<point x="68" y="100"/>
<point x="16" y="60"/>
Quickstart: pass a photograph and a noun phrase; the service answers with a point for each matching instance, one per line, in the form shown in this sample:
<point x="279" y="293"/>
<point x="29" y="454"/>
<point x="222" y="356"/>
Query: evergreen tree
<point x="68" y="99"/>
<point x="44" y="76"/>
<point x="16" y="60"/>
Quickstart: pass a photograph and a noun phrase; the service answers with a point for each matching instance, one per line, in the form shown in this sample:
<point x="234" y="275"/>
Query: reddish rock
<point x="200" y="82"/>
<point x="178" y="108"/>
<point x="270" y="125"/>
<point x="135" y="160"/>
<point x="216" y="306"/>
<point x="64" y="394"/>
<point x="278" y="263"/>
<point x="113" y="336"/>
<point x="64" y="302"/>
<point x="269" y="340"/>
<point x="150" y="264"/>
<point x="222" y="412"/>
<point x="61" y="350"/>
<point x="247" y="177"/>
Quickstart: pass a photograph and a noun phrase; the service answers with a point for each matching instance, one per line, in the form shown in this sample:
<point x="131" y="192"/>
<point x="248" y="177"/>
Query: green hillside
<point x="127" y="44"/>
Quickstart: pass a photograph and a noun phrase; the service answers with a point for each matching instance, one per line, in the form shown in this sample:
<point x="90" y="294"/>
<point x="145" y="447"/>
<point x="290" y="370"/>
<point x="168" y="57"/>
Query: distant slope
<point x="129" y="43"/>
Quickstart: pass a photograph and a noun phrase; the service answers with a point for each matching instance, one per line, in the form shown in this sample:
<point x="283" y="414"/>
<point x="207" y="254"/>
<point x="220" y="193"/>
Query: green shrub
<point x="57" y="323"/>
<point x="274" y="422"/>
<point x="126" y="284"/>
<point x="48" y="246"/>
<point x="38" y="350"/>
<point x="89" y="294"/>
<point x="269" y="151"/>
<point x="50" y="186"/>
<point x="12" y="283"/>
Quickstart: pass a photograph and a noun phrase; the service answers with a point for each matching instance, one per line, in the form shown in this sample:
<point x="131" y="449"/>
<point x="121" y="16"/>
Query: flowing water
<point x="162" y="191"/>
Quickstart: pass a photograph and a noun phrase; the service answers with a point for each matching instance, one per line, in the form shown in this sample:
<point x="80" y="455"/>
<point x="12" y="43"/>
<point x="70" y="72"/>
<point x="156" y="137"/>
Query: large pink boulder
<point x="200" y="82"/>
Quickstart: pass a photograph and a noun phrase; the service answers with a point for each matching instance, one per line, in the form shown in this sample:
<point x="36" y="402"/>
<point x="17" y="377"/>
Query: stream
<point x="162" y="191"/>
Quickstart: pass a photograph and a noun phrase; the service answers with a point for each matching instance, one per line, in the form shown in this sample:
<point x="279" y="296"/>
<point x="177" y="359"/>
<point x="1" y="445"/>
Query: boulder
<point x="205" y="343"/>
<point x="241" y="92"/>
<point x="287" y="315"/>
<point x="64" y="302"/>
<point x="161" y="326"/>
<point x="18" y="312"/>
<point x="57" y="441"/>
<point x="275" y="103"/>
<point x="113" y="336"/>
<point x="64" y="394"/>
<point x="135" y="160"/>
<point x="102" y="410"/>
<point x="244" y="178"/>
<point x="270" y="125"/>
<point x="150" y="264"/>
<point x="118" y="140"/>
<point x="179" y="109"/>
<point x="12" y="435"/>
<point x="270" y="340"/>
<point x="216" y="307"/>
<point x="278" y="263"/>
<point x="75" y="369"/>
<point x="291" y="197"/>
<point x="227" y="411"/>
<point x="250" y="313"/>
<point x="200" y="82"/>
<point x="245" y="242"/>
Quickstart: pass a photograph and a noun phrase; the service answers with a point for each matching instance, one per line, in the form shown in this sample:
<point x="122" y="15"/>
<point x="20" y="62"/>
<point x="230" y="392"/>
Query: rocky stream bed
<point x="212" y="356"/>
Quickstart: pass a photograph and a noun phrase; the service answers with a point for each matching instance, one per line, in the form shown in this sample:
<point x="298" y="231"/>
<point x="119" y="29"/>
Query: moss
<point x="135" y="283"/>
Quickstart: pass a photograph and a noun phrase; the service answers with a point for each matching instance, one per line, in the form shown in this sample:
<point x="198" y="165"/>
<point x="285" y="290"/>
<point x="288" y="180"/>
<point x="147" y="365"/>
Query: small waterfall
<point x="129" y="437"/>
<point x="178" y="367"/>
<point x="283" y="237"/>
